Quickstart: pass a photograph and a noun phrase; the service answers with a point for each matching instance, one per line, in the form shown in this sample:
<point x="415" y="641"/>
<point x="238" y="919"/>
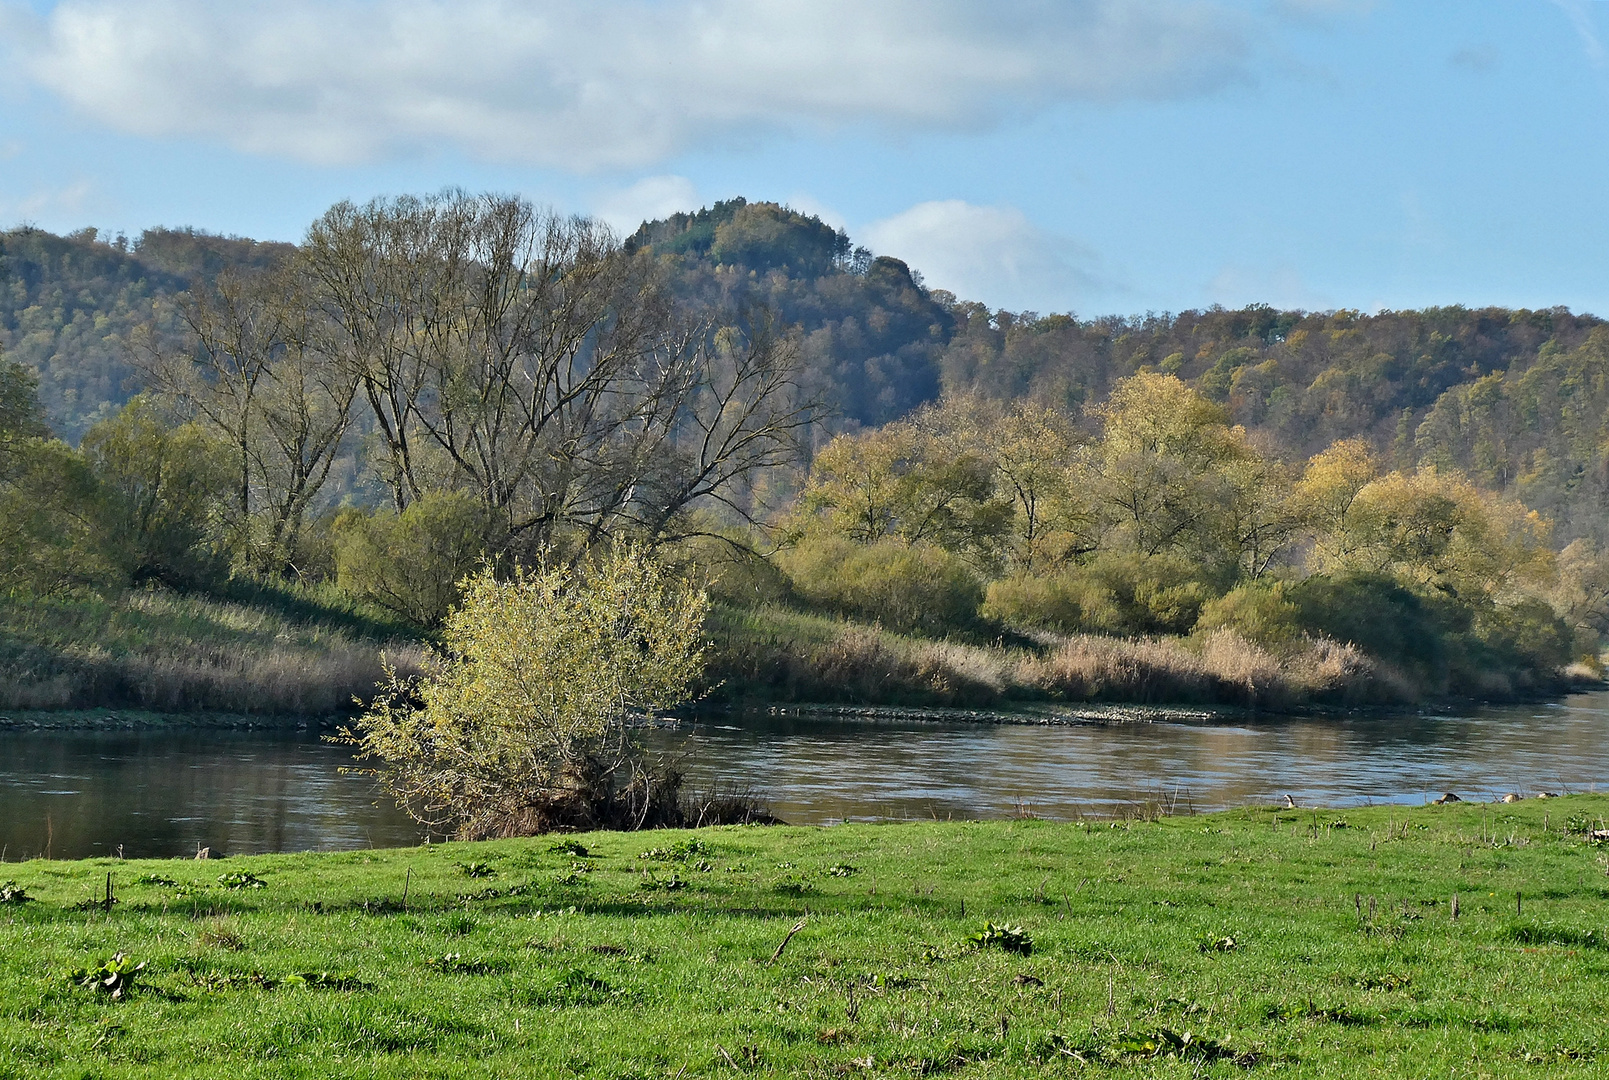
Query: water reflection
<point x="163" y="793"/>
<point x="826" y="770"/>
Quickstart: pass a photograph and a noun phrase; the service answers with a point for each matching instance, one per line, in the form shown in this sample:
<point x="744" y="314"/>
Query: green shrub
<point x="1149" y="594"/>
<point x="729" y="571"/>
<point x="49" y="540"/>
<point x="1259" y="613"/>
<point x="410" y="563"/>
<point x="160" y="488"/>
<point x="903" y="586"/>
<point x="1065" y="603"/>
<point x="1379" y="615"/>
<point x="1126" y="595"/>
<point x="524" y="725"/>
<point x="1527" y="635"/>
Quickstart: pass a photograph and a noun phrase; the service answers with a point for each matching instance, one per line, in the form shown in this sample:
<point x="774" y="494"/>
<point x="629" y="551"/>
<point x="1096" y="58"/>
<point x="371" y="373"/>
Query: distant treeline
<point x="1513" y="398"/>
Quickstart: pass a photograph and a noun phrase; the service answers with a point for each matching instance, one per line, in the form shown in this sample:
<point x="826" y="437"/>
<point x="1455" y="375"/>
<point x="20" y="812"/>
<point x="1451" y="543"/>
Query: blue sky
<point x="1087" y="155"/>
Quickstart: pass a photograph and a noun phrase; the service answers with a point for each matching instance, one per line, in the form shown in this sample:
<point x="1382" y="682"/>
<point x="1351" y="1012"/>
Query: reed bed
<point x="167" y="653"/>
<point x="783" y="655"/>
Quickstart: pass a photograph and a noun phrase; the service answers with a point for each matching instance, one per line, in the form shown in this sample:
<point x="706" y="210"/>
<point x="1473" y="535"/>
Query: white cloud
<point x="53" y="204"/>
<point x="1579" y="12"/>
<point x="993" y="254"/>
<point x="1281" y="286"/>
<point x="649" y="198"/>
<point x="597" y="84"/>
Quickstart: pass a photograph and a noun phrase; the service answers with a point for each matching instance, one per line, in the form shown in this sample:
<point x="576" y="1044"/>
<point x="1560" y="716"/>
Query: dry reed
<point x="865" y="665"/>
<point x="167" y="653"/>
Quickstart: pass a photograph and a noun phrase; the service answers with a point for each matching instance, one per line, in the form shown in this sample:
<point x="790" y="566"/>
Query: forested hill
<point x="1518" y="399"/>
<point x="873" y="337"/>
<point x="69" y="303"/>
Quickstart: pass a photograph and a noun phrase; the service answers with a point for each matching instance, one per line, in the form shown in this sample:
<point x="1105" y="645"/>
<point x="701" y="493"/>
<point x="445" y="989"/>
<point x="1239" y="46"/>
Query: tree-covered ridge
<point x="1306" y="379"/>
<point x="871" y="334"/>
<point x="1515" y="399"/>
<point x="69" y="304"/>
<point x="1540" y="431"/>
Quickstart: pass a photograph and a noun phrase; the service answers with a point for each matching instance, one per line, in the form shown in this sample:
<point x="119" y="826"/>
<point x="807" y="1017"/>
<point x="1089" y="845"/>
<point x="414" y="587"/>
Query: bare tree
<point x="255" y="368"/>
<point x="524" y="357"/>
<point x="743" y="412"/>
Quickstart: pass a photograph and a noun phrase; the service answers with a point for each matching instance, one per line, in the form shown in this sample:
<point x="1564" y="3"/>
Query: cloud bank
<point x="994" y="254"/>
<point x="603" y="84"/>
<point x="649" y="199"/>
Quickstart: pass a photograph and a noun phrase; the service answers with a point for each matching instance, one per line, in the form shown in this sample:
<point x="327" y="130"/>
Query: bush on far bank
<point x="1122" y="594"/>
<point x="914" y="587"/>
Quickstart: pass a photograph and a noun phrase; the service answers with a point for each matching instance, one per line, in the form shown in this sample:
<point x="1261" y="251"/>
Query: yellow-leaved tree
<point x="524" y="723"/>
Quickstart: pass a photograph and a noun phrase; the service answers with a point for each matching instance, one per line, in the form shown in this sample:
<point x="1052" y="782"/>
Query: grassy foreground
<point x="1310" y="943"/>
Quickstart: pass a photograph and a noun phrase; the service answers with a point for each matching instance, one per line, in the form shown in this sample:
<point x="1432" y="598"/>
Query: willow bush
<point x="523" y="722"/>
<point x="910" y="587"/>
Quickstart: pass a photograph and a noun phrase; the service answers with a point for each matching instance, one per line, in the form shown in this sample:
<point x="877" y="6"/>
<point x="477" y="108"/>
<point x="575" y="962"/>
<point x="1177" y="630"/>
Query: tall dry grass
<point x="819" y="660"/>
<point x="1221" y="668"/>
<point x="168" y="653"/>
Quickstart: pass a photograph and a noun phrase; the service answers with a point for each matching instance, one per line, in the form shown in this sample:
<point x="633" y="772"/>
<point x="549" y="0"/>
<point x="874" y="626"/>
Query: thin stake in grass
<point x="406" y="881"/>
<point x="798" y="926"/>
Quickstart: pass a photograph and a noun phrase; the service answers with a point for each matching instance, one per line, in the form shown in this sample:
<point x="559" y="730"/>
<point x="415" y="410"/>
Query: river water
<point x="166" y="792"/>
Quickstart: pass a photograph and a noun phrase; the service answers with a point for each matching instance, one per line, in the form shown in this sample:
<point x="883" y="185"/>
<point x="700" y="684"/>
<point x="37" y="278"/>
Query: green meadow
<point x="1260" y="941"/>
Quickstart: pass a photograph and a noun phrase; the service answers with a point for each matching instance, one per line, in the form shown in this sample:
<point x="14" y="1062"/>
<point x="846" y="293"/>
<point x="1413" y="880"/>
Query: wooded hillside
<point x="1517" y="399"/>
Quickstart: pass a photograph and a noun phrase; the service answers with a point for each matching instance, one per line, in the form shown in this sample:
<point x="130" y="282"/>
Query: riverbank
<point x="266" y="656"/>
<point x="777" y="655"/>
<point x="146" y="720"/>
<point x="1257" y="939"/>
<point x="255" y="652"/>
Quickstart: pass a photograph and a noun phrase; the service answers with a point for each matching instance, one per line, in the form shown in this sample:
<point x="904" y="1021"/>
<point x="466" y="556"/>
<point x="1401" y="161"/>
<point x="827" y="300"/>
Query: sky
<point x="1091" y="156"/>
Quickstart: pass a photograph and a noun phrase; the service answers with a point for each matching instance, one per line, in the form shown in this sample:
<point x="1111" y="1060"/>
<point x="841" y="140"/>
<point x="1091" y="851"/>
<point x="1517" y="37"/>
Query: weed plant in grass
<point x="1319" y="943"/>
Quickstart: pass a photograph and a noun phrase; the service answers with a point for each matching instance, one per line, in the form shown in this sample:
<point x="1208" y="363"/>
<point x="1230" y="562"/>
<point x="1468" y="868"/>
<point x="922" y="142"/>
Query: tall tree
<point x="1160" y="472"/>
<point x="525" y="358"/>
<point x="257" y="367"/>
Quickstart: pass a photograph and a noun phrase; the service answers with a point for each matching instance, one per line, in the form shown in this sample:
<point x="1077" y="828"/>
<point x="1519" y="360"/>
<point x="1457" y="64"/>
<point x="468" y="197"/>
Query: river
<point x="165" y="792"/>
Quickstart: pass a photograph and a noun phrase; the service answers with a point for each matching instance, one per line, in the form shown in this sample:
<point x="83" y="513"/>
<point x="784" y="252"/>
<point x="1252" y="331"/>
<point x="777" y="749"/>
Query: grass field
<point x="1309" y="943"/>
